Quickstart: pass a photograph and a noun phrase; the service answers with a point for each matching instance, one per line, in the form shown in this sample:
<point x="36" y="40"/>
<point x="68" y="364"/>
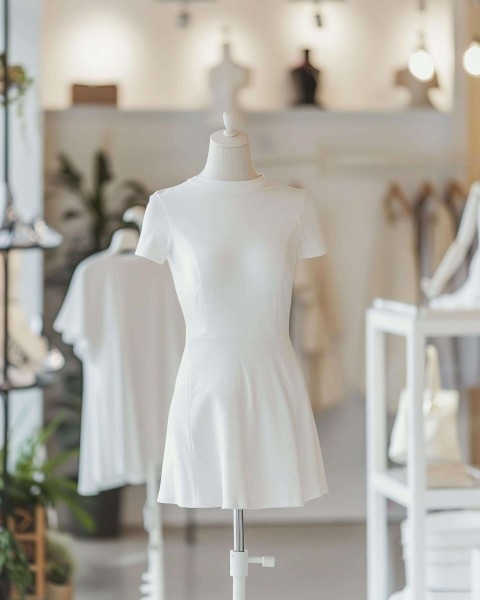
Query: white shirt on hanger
<point x="122" y="316"/>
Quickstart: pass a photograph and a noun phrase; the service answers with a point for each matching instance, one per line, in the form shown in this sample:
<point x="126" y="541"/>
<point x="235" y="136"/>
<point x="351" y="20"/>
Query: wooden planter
<point x="59" y="592"/>
<point x="28" y="525"/>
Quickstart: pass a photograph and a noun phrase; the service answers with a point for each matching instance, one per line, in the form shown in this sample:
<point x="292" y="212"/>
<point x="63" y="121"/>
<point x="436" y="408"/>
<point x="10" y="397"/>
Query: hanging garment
<point x="395" y="277"/>
<point x="122" y="317"/>
<point x="435" y="233"/>
<point x="467" y="349"/>
<point x="315" y="329"/>
<point x="241" y="432"/>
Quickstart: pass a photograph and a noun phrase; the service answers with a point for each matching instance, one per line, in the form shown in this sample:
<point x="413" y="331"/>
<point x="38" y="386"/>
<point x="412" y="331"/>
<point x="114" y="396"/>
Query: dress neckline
<point x="232" y="188"/>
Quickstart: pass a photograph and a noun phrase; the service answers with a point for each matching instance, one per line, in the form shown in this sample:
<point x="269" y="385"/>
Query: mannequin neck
<point x="229" y="163"/>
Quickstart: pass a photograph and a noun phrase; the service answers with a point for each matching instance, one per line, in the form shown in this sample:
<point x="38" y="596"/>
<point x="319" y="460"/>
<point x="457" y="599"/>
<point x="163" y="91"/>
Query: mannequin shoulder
<point x="292" y="195"/>
<point x="169" y="195"/>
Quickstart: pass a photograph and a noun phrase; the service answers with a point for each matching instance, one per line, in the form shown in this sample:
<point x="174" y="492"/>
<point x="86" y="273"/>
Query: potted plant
<point x="60" y="567"/>
<point x="14" y="567"/>
<point x="19" y="83"/>
<point x="34" y="480"/>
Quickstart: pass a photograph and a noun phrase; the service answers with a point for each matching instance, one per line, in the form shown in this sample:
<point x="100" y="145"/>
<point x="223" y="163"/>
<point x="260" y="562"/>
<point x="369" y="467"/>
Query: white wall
<point x="136" y="44"/>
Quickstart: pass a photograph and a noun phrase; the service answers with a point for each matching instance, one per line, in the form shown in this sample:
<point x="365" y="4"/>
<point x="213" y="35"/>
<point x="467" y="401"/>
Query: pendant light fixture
<point x="471" y="57"/>
<point x="420" y="63"/>
<point x="317" y="15"/>
<point x="184" y="17"/>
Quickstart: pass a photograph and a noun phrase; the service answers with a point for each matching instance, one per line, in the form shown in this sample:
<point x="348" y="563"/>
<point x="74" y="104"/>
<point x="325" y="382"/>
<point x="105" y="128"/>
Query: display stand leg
<point x="239" y="559"/>
<point x="416" y="461"/>
<point x="377" y="517"/>
<point x="153" y="586"/>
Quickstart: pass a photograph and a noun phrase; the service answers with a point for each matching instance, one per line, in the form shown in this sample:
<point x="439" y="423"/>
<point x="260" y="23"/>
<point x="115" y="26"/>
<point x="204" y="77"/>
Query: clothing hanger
<point x="396" y="197"/>
<point x="135" y="215"/>
<point x="124" y="241"/>
<point x="427" y="191"/>
<point x="455" y="198"/>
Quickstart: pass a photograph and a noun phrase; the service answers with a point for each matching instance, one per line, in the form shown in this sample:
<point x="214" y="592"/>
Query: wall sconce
<point x="420" y="63"/>
<point x="317" y="15"/>
<point x="471" y="56"/>
<point x="184" y="17"/>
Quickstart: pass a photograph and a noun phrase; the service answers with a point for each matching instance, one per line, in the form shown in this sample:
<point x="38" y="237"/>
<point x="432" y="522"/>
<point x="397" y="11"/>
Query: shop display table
<point x="417" y="325"/>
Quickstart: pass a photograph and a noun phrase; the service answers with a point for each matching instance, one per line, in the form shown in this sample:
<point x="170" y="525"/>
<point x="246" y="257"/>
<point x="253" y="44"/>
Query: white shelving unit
<point x="417" y="325"/>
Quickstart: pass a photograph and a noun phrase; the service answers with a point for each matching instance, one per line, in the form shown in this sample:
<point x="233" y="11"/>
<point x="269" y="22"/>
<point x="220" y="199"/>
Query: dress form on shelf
<point x="468" y="295"/>
<point x="306" y="80"/>
<point x="226" y="80"/>
<point x="419" y="90"/>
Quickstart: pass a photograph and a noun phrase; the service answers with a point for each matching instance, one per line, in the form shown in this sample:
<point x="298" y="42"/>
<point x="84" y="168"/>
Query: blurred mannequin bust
<point x="306" y="81"/>
<point x="419" y="90"/>
<point x="226" y="80"/>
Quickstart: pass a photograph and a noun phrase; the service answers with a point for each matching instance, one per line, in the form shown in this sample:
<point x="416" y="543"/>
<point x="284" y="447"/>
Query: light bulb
<point x="420" y="65"/>
<point x="471" y="59"/>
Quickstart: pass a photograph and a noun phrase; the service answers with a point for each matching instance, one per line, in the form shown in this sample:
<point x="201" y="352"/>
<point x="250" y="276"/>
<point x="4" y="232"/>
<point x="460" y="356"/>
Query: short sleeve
<point x="71" y="320"/>
<point x="312" y="242"/>
<point x="154" y="242"/>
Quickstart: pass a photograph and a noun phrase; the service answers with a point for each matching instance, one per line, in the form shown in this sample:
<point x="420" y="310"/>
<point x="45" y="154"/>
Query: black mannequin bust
<point x="306" y="80"/>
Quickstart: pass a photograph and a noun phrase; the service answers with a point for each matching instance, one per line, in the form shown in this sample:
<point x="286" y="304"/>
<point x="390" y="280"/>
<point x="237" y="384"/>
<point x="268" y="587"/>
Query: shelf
<point x="417" y="324"/>
<point x="43" y="381"/>
<point x="288" y="111"/>
<point x="398" y="318"/>
<point x="27" y="247"/>
<point x="392" y="484"/>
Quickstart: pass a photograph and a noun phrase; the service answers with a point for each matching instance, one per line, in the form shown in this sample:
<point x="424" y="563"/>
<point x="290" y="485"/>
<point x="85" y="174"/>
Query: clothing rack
<point x="7" y="386"/>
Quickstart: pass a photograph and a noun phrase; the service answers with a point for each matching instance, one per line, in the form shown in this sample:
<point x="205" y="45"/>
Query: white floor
<point x="324" y="562"/>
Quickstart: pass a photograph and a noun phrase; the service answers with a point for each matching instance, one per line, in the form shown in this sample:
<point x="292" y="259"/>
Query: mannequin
<point x="229" y="159"/>
<point x="419" y="90"/>
<point x="307" y="81"/>
<point x="468" y="296"/>
<point x="226" y="80"/>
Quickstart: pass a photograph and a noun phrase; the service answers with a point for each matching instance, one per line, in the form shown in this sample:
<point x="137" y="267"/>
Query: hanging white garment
<point x="241" y="432"/>
<point x="395" y="277"/>
<point x="437" y="232"/>
<point x="122" y="316"/>
<point x="467" y="348"/>
<point x="315" y="330"/>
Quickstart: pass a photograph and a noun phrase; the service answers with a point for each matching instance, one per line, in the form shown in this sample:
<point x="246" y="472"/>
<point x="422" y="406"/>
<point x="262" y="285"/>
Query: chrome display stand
<point x="239" y="558"/>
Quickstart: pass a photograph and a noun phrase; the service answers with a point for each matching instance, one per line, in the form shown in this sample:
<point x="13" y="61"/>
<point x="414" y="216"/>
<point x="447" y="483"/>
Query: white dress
<point x="122" y="317"/>
<point x="241" y="432"/>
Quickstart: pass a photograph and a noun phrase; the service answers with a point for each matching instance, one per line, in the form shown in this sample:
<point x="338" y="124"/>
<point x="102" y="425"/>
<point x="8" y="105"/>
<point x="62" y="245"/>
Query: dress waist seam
<point x="284" y="336"/>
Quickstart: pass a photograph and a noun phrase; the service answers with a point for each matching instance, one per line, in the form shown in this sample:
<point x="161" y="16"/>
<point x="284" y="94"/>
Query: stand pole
<point x="153" y="586"/>
<point x="239" y="547"/>
<point x="239" y="558"/>
<point x="238" y="531"/>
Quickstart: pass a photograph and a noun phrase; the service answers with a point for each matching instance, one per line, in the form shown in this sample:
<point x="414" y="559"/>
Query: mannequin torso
<point x="226" y="80"/>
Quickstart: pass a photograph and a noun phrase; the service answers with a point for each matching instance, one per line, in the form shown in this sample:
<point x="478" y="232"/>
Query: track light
<point x="421" y="65"/>
<point x="471" y="58"/>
